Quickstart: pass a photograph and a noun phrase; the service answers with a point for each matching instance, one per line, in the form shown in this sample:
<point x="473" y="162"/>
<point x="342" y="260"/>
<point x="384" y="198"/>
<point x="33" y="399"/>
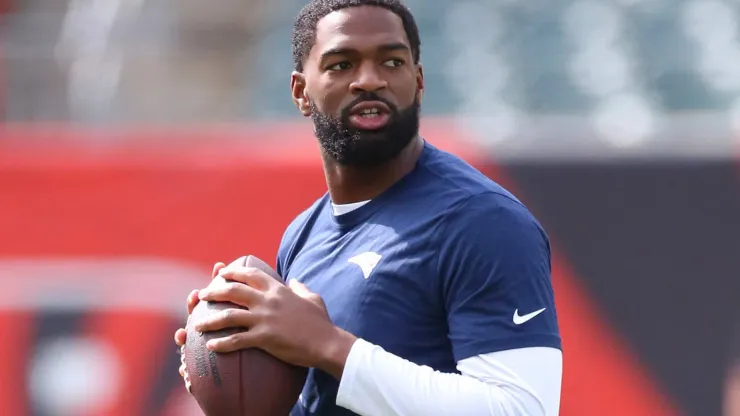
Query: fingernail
<point x="211" y="345"/>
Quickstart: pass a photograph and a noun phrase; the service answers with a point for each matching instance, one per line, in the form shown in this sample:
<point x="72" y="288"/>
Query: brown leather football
<point x="249" y="382"/>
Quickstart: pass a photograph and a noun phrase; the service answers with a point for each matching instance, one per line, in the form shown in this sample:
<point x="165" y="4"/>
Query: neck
<point x="348" y="184"/>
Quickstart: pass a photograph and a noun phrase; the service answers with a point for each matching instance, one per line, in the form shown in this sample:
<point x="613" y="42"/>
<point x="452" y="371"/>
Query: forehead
<point x="362" y="27"/>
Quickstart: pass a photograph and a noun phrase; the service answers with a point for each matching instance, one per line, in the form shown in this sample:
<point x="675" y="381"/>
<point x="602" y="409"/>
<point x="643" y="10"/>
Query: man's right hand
<point x="181" y="334"/>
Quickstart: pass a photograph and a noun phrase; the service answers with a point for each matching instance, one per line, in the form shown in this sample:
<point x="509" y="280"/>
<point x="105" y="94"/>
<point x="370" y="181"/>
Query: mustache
<point x="367" y="96"/>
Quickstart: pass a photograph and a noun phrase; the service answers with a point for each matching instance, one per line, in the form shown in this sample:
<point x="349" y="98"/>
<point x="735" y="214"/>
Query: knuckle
<point x="272" y="302"/>
<point x="235" y="341"/>
<point x="273" y="295"/>
<point x="280" y="291"/>
<point x="232" y="289"/>
<point x="229" y="316"/>
<point x="227" y="289"/>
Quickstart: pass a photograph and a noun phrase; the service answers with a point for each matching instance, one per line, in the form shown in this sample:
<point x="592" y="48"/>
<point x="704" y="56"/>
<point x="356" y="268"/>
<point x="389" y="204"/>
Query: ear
<point x="298" y="91"/>
<point x="420" y="81"/>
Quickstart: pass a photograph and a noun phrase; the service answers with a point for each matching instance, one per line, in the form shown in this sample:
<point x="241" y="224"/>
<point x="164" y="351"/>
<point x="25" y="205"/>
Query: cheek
<point x="407" y="89"/>
<point x="329" y="102"/>
<point x="407" y="96"/>
<point x="325" y="94"/>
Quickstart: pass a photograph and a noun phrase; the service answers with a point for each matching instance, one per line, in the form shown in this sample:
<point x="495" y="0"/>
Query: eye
<point x="340" y="66"/>
<point x="394" y="63"/>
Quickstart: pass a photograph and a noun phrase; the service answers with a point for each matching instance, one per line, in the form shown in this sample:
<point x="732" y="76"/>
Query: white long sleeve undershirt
<point x="522" y="382"/>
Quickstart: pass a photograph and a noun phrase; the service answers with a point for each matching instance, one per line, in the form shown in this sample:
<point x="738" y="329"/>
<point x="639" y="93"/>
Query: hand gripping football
<point x="248" y="382"/>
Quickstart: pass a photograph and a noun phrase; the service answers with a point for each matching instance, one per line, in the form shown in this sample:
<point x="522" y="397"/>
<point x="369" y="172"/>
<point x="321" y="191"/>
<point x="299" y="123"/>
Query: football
<point x="248" y="382"/>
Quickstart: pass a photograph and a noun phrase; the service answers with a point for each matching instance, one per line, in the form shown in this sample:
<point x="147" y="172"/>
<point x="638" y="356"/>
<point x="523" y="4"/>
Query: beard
<point x="366" y="148"/>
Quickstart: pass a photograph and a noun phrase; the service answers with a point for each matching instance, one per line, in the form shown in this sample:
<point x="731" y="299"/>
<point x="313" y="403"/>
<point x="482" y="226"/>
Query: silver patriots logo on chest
<point x="367" y="262"/>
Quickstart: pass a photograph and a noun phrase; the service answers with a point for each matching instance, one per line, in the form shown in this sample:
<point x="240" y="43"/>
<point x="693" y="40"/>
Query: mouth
<point x="369" y="115"/>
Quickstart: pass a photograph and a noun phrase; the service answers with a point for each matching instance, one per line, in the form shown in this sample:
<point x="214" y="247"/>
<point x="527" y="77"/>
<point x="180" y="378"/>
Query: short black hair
<point x="304" y="27"/>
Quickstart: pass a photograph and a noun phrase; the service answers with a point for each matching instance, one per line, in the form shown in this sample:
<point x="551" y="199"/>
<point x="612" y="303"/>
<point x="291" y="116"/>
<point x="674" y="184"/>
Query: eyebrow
<point x="387" y="47"/>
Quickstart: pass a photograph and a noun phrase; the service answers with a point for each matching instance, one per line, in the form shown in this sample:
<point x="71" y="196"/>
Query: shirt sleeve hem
<point x="472" y="349"/>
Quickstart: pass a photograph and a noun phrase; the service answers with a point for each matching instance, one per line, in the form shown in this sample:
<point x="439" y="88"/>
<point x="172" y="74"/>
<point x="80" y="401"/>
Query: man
<point x="417" y="285"/>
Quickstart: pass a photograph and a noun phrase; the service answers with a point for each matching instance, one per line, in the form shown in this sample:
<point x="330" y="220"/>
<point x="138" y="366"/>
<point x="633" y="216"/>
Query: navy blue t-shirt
<point x="436" y="269"/>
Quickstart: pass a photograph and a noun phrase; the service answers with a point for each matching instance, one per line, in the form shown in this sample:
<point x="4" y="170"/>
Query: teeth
<point x="371" y="111"/>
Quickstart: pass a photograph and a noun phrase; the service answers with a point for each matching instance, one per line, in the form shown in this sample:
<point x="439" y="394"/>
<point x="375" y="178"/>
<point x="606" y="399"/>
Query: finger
<point x="235" y="342"/>
<point x="192" y="300"/>
<point x="180" y="337"/>
<point x="233" y="292"/>
<point x="216" y="267"/>
<point x="227" y="318"/>
<point x="251" y="276"/>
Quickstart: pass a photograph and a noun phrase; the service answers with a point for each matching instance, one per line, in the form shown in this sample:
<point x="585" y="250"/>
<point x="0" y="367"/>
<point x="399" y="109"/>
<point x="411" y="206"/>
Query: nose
<point x="368" y="79"/>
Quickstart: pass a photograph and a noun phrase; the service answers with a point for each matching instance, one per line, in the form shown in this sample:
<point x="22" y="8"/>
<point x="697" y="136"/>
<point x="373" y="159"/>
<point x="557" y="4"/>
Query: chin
<point x="374" y="135"/>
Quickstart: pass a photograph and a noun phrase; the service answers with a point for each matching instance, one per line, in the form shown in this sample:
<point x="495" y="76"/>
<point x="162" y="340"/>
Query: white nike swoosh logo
<point x="518" y="320"/>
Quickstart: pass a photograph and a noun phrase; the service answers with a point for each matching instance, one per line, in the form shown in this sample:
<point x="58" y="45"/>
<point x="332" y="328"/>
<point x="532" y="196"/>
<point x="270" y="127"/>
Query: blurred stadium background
<point x="131" y="128"/>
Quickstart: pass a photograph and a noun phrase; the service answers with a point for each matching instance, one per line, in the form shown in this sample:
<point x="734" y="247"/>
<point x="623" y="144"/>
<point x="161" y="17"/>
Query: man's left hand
<point x="289" y="322"/>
